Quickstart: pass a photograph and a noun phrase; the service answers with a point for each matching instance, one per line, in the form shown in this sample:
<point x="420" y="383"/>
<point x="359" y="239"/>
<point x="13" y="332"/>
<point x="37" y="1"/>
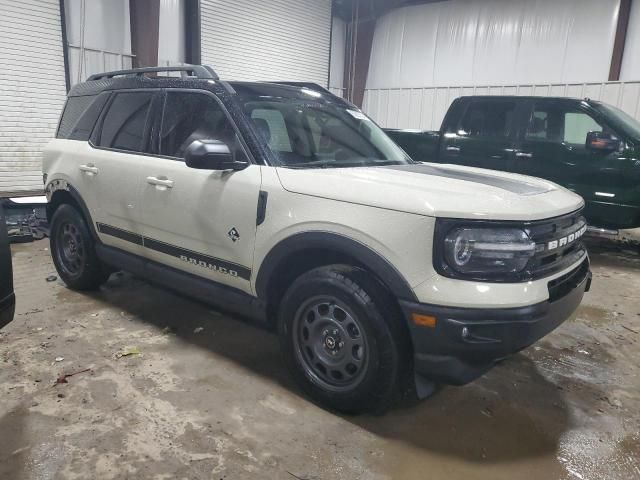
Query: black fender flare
<point x="363" y="254"/>
<point x="63" y="186"/>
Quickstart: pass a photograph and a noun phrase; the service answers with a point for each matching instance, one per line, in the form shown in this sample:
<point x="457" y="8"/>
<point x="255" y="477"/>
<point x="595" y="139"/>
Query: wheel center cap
<point x="330" y="342"/>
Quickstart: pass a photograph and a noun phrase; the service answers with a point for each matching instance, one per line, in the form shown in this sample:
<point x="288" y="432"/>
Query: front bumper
<point x="466" y="342"/>
<point x="7" y="309"/>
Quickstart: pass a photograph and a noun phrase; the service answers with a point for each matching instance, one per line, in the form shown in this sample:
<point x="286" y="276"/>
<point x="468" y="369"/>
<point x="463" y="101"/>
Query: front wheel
<point x="341" y="339"/>
<point x="73" y="251"/>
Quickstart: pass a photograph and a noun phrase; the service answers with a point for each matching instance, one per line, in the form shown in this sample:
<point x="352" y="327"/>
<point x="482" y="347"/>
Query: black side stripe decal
<point x="189" y="256"/>
<point x="119" y="233"/>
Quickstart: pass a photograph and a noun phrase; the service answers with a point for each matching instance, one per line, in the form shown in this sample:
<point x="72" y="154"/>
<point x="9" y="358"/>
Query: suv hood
<point x="436" y="190"/>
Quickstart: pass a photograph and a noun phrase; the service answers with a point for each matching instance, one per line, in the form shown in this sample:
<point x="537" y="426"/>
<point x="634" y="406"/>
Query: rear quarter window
<point x="80" y="115"/>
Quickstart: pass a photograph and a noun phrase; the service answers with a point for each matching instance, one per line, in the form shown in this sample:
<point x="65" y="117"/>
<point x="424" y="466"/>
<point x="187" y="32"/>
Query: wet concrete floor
<point x="218" y="404"/>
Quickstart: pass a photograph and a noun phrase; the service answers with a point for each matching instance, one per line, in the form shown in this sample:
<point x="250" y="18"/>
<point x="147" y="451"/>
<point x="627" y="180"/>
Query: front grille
<point x="558" y="244"/>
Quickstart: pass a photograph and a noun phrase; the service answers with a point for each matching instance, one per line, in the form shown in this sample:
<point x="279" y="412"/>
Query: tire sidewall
<point x="383" y="360"/>
<point x="91" y="274"/>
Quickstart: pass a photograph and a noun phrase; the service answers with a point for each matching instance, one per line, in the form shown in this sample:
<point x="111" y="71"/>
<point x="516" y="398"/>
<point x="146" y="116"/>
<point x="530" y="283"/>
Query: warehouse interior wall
<point x="172" y="33"/>
<point x="267" y="40"/>
<point x="338" y="51"/>
<point x="495" y="42"/>
<point x="98" y="37"/>
<point x="631" y="58"/>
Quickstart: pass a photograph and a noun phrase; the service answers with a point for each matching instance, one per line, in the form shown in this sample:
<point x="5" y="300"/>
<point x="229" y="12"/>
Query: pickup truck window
<point x="310" y="134"/>
<point x="487" y="118"/>
<point x="552" y="123"/>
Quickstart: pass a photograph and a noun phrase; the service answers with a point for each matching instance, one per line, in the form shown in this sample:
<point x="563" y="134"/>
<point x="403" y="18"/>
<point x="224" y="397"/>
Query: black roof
<point x="203" y="77"/>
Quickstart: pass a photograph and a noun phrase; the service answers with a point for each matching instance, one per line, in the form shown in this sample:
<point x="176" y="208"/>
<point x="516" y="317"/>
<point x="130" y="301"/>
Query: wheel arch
<point x="303" y="251"/>
<point x="62" y="193"/>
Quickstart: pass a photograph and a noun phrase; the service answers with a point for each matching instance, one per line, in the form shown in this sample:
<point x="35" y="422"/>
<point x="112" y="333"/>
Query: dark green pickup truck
<point x="589" y="147"/>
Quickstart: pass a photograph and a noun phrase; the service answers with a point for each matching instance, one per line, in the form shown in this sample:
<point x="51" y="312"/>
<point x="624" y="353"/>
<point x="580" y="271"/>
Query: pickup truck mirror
<point x="212" y="155"/>
<point x="602" y="141"/>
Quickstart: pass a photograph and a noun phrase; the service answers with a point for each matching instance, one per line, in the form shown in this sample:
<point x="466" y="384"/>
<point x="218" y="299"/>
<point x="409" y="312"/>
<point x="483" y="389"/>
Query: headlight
<point x="488" y="251"/>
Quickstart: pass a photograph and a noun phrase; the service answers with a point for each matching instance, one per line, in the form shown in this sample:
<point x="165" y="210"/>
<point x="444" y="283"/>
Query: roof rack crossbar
<point x="198" y="71"/>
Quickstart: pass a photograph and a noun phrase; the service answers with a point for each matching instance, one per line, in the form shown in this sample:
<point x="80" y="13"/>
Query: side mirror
<point x="603" y="142"/>
<point x="211" y="155"/>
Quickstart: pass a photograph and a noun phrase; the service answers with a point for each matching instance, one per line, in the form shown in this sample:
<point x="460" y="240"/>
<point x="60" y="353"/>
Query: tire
<point x="73" y="251"/>
<point x="342" y="340"/>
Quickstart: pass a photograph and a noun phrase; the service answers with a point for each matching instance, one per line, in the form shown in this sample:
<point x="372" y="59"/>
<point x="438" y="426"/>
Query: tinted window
<point x="83" y="128"/>
<point x="73" y="110"/>
<point x="554" y="123"/>
<point x="193" y="116"/>
<point x="487" y="119"/>
<point x="124" y="124"/>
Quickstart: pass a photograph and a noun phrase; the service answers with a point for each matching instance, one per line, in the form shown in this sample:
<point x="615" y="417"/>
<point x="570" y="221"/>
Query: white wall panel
<point x="338" y="45"/>
<point x="425" y="108"/>
<point x="631" y="60"/>
<point x="267" y="40"/>
<point x="171" y="33"/>
<point x="482" y="42"/>
<point x="32" y="89"/>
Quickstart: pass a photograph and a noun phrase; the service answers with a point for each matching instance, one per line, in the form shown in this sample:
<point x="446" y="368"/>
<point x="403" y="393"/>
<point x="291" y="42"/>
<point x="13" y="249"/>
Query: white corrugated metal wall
<point x="267" y="40"/>
<point x="425" y="56"/>
<point x="32" y="89"/>
<point x="493" y="42"/>
<point x="425" y="108"/>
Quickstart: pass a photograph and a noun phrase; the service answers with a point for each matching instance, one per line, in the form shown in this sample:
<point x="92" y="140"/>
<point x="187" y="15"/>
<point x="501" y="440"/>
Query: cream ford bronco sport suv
<point x="284" y="203"/>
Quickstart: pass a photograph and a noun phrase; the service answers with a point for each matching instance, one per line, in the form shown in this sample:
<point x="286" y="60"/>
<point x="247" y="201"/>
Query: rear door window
<point x="125" y="124"/>
<point x="488" y="119"/>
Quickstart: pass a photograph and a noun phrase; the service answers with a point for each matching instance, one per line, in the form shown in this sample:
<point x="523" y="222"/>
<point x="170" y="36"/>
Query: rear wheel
<point x="341" y="340"/>
<point x="73" y="251"/>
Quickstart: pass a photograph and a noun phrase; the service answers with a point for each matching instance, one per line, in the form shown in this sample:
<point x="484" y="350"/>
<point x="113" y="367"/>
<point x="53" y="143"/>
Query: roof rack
<point x="198" y="71"/>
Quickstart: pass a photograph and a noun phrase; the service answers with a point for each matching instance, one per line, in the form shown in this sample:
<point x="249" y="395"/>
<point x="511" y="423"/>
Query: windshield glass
<point x="629" y="125"/>
<point x="307" y="134"/>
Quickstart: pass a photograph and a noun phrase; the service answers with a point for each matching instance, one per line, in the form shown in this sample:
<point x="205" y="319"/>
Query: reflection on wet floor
<point x="219" y="403"/>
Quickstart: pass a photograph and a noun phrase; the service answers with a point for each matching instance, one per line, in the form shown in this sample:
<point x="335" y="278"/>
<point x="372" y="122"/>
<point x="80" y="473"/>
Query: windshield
<point x="307" y="134"/>
<point x="626" y="122"/>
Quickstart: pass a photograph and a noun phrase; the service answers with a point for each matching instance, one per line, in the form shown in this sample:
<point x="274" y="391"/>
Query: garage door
<point x="267" y="40"/>
<point x="32" y="89"/>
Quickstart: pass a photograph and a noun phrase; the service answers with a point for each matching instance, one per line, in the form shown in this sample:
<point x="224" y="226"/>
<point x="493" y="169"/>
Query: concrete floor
<point x="219" y="403"/>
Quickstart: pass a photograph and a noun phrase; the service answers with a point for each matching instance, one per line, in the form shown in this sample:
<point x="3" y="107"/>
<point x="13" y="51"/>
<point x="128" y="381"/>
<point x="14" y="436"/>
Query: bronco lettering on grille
<point x="564" y="241"/>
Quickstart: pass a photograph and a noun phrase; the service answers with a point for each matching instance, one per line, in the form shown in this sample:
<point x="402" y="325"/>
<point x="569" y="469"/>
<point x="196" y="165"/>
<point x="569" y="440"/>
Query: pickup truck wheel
<point x="340" y="344"/>
<point x="73" y="251"/>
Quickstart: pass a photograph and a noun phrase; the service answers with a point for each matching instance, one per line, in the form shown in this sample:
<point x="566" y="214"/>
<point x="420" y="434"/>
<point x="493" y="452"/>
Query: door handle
<point x="161" y="183"/>
<point x="90" y="169"/>
<point x="451" y="148"/>
<point x="524" y="155"/>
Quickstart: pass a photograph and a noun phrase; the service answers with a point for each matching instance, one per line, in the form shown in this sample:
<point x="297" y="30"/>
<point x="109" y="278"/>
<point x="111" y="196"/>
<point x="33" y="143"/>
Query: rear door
<point x="553" y="146"/>
<point x="119" y="144"/>
<point x="484" y="136"/>
<point x="199" y="221"/>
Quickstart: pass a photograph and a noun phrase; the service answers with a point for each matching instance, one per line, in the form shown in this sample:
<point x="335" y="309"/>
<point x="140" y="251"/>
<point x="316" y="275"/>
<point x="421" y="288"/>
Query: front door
<point x="554" y="147"/>
<point x="199" y="221"/>
<point x="484" y="136"/>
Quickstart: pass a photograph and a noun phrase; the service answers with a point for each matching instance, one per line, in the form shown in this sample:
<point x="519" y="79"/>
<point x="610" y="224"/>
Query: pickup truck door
<point x="199" y="221"/>
<point x="553" y="146"/>
<point x="484" y="136"/>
